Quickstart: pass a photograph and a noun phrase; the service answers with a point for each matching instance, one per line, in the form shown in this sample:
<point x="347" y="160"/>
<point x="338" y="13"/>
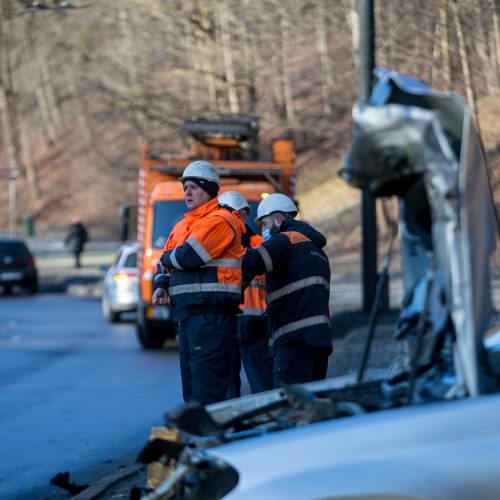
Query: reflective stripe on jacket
<point x="298" y="283"/>
<point x="203" y="255"/>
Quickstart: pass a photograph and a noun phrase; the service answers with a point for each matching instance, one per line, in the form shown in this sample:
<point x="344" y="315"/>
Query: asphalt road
<point x="76" y="394"/>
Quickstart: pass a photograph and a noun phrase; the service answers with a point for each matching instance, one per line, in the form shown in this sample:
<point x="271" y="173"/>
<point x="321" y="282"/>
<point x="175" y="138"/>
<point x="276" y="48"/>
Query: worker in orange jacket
<point x="252" y="337"/>
<point x="202" y="259"/>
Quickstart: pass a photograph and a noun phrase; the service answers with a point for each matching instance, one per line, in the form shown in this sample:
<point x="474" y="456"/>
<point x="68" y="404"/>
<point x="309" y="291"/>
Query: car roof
<point x="129" y="245"/>
<point x="7" y="239"/>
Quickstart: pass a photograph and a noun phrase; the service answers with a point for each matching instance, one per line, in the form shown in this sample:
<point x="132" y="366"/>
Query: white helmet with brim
<point x="234" y="200"/>
<point x="200" y="169"/>
<point x="276" y="202"/>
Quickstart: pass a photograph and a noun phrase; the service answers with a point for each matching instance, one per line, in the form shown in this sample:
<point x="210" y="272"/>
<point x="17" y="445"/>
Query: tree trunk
<point x="204" y="60"/>
<point x="227" y="54"/>
<point x="322" y="45"/>
<point x="464" y="59"/>
<point x="9" y="128"/>
<point x="353" y="22"/>
<point x="435" y="53"/>
<point x="286" y="69"/>
<point x="31" y="177"/>
<point x="8" y="108"/>
<point x="495" y="52"/>
<point x="50" y="97"/>
<point x="445" y="43"/>
<point x="132" y="75"/>
<point x="250" y="64"/>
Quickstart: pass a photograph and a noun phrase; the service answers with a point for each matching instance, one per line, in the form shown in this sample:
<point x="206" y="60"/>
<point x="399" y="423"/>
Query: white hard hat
<point x="234" y="200"/>
<point x="200" y="169"/>
<point x="276" y="202"/>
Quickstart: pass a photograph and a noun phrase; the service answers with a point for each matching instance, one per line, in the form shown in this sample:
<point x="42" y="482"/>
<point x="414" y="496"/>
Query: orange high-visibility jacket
<point x="255" y="294"/>
<point x="203" y="255"/>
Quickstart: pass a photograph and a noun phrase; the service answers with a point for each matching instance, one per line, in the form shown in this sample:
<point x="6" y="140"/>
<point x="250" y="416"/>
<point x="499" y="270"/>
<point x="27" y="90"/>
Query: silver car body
<point x="420" y="452"/>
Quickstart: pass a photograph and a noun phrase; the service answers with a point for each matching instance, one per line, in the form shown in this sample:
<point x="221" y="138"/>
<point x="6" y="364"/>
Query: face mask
<point x="266" y="234"/>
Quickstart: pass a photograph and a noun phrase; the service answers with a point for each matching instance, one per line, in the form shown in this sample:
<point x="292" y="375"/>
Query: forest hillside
<point x="83" y="84"/>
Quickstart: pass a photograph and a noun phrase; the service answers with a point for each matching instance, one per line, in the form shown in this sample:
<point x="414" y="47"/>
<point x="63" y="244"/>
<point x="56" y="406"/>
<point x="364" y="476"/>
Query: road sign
<point x="9" y="173"/>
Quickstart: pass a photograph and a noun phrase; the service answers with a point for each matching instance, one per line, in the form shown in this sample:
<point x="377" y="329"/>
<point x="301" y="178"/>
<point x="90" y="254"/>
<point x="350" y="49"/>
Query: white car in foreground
<point x="440" y="451"/>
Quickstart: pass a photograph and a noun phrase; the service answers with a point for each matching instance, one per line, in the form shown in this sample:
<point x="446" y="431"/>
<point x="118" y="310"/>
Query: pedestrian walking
<point x="202" y="260"/>
<point x="76" y="238"/>
<point x="298" y="285"/>
<point x="252" y="334"/>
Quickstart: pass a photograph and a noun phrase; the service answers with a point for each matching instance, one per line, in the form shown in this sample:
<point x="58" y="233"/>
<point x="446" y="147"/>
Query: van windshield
<point x="166" y="215"/>
<point x="169" y="213"/>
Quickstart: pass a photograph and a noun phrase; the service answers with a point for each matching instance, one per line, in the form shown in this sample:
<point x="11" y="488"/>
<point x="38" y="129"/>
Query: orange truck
<point x="231" y="145"/>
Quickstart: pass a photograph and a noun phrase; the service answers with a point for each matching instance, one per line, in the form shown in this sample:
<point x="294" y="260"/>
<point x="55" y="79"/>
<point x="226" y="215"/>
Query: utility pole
<point x="366" y="64"/>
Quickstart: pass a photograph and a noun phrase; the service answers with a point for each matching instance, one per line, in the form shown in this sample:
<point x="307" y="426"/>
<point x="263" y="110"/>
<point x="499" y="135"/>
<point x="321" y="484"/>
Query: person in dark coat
<point x="76" y="239"/>
<point x="298" y="290"/>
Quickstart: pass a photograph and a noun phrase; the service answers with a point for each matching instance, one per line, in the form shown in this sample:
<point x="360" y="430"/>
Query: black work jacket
<point x="298" y="283"/>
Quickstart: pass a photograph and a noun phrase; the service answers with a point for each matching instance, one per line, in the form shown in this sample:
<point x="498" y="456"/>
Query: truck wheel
<point x="151" y="336"/>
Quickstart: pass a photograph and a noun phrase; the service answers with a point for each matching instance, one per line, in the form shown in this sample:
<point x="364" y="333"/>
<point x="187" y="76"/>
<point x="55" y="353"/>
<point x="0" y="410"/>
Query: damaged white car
<point x="429" y="430"/>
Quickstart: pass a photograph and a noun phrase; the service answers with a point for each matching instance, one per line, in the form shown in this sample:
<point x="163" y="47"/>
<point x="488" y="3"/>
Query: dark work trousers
<point x="297" y="362"/>
<point x="206" y="351"/>
<point x="235" y="386"/>
<point x="258" y="365"/>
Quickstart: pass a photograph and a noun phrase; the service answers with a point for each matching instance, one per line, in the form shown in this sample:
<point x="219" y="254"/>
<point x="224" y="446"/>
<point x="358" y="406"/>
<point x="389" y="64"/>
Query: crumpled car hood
<point x="408" y="129"/>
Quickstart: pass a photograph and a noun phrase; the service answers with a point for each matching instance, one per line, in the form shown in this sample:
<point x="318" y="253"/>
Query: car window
<point x="131" y="260"/>
<point x="13" y="248"/>
<point x="117" y="257"/>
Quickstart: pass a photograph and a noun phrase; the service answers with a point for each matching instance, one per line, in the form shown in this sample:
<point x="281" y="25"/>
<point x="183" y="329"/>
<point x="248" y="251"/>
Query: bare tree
<point x="464" y="58"/>
<point x="8" y="101"/>
<point x="495" y="52"/>
<point x="286" y="69"/>
<point x="326" y="71"/>
<point x="445" y="43"/>
<point x="227" y="56"/>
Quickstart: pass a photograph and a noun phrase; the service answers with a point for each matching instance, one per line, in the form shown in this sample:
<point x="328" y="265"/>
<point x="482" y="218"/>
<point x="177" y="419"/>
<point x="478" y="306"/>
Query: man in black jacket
<point x="298" y="285"/>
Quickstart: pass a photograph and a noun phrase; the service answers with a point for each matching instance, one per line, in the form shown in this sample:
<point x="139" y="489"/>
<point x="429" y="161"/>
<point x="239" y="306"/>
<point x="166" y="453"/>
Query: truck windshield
<point x="169" y="213"/>
<point x="166" y="215"/>
<point x="253" y="214"/>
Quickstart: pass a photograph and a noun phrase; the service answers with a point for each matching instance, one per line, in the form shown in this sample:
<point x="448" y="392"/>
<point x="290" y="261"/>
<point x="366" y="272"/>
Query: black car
<point x="17" y="266"/>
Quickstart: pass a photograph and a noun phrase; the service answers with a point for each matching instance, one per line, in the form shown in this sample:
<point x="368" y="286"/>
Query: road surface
<point x="76" y="393"/>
